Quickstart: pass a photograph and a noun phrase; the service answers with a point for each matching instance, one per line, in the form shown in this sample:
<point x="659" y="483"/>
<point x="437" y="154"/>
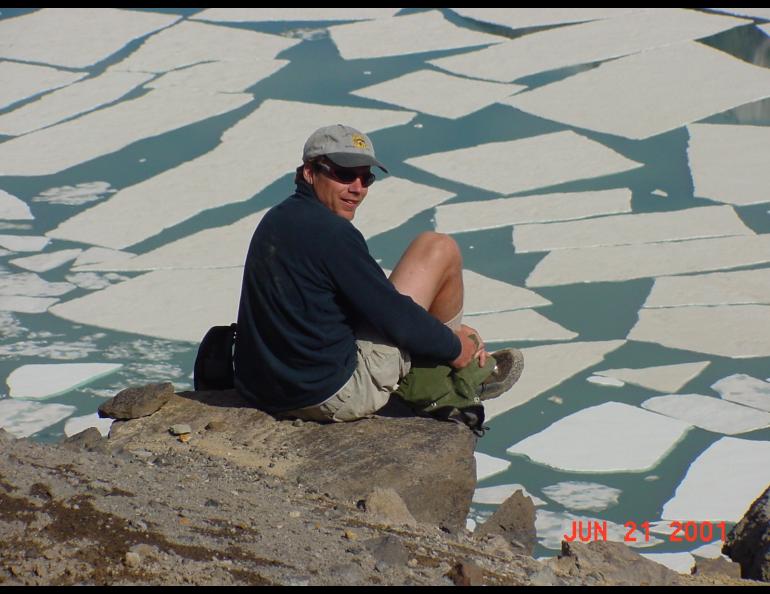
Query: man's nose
<point x="356" y="186"/>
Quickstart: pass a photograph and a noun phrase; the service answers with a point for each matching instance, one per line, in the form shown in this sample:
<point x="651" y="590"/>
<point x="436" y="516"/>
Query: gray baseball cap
<point x="343" y="145"/>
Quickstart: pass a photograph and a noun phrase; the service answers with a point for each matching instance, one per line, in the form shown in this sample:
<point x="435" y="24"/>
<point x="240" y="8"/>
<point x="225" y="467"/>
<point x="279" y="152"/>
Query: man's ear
<point x="307" y="173"/>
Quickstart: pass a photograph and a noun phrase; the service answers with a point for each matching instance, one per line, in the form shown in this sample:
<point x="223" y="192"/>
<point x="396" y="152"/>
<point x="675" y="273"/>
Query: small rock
<point x="467" y="573"/>
<point x="132" y="560"/>
<point x="294" y="514"/>
<point x="388" y="551"/>
<point x="515" y="521"/>
<point x="133" y="403"/>
<point x="185" y="437"/>
<point x="89" y="439"/>
<point x="216" y="426"/>
<point x="387" y="505"/>
<point x="180" y="429"/>
<point x="719" y="566"/>
<point x="350" y="535"/>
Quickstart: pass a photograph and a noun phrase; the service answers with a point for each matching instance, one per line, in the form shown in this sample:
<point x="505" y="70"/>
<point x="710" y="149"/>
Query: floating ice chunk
<point x="149" y="304"/>
<point x="22" y="304"/>
<point x="709" y="413"/>
<point x="737" y="331"/>
<point x="70" y="101"/>
<point x="586" y="43"/>
<point x="223" y="176"/>
<point x="75" y="195"/>
<point x="744" y="389"/>
<point x="729" y="163"/>
<point x="611" y="437"/>
<point x="624" y="96"/>
<point x="605" y="264"/>
<point x="256" y="15"/>
<point x="662" y="378"/>
<point x="552" y="526"/>
<point x="485" y="295"/>
<point x="545" y="367"/>
<point x="541" y="161"/>
<point x="225" y="77"/>
<point x="691" y="223"/>
<point x="75" y="425"/>
<point x="758" y="13"/>
<point x="719" y="288"/>
<point x="438" y="94"/>
<point x="22" y="419"/>
<point x="543" y="208"/>
<point x="46" y="262"/>
<point x="13" y="209"/>
<point x="401" y="35"/>
<point x="521" y="325"/>
<point x="189" y="43"/>
<point x="31" y="285"/>
<point x="722" y="482"/>
<point x="92" y="281"/>
<point x="23" y="243"/>
<point x="606" y="381"/>
<point x="712" y="550"/>
<point x="583" y="496"/>
<point x="660" y="193"/>
<point x="43" y="347"/>
<point x="22" y="81"/>
<point x="679" y="562"/>
<point x="499" y="493"/>
<point x="97" y="255"/>
<point x="487" y="466"/>
<point x="38" y="382"/>
<point x="56" y="35"/>
<point x="522" y="18"/>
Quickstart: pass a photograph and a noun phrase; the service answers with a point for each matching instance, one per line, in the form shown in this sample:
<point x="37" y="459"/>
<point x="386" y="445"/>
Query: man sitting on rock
<point x="323" y="334"/>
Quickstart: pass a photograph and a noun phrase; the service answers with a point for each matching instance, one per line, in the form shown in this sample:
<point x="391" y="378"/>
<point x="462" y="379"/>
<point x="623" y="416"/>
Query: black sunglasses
<point x="346" y="176"/>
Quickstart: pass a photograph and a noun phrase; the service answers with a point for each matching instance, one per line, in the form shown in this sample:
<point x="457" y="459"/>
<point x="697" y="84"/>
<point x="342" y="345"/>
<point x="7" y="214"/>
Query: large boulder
<point x="514" y="520"/>
<point x="749" y="541"/>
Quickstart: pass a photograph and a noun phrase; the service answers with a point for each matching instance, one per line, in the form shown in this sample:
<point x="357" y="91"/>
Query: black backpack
<point x="214" y="363"/>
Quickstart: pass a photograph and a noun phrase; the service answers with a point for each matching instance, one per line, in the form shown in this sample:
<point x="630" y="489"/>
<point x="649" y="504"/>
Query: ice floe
<point x="661" y="378"/>
<point x="611" y="263"/>
<point x="486" y="295"/>
<point x="610" y="437"/>
<point x="256" y="15"/>
<point x="605" y="381"/>
<point x="57" y="35"/>
<point x="23" y="243"/>
<point x="729" y="163"/>
<point x="13" y="209"/>
<point x="649" y="93"/>
<point x="690" y="223"/>
<point x="70" y="101"/>
<point x="224" y="77"/>
<point x="722" y="482"/>
<point x="22" y="81"/>
<point x="679" y="562"/>
<point x="31" y="285"/>
<point x="588" y="42"/>
<point x="744" y="389"/>
<point x="712" y="414"/>
<point x="487" y="465"/>
<point x="737" y="331"/>
<point x="149" y="304"/>
<point x="22" y="419"/>
<point x="542" y="208"/>
<point x="552" y="526"/>
<point x="92" y="281"/>
<point x="522" y="18"/>
<point x="47" y="348"/>
<point x="758" y="13"/>
<point x="545" y="367"/>
<point x="22" y="304"/>
<point x="712" y="550"/>
<point x="499" y="493"/>
<point x="77" y="195"/>
<point x="717" y="288"/>
<point x="401" y="35"/>
<point x="75" y="425"/>
<point x="583" y="496"/>
<point x="518" y="325"/>
<point x="97" y="255"/>
<point x="223" y="176"/>
<point x="46" y="262"/>
<point x="438" y="94"/>
<point x="38" y="382"/>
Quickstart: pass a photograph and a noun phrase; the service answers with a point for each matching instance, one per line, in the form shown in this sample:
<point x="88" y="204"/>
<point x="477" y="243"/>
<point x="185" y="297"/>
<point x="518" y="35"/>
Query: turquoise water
<point x="595" y="311"/>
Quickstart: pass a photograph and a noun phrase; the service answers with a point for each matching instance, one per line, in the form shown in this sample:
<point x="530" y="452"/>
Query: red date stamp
<point x="681" y="531"/>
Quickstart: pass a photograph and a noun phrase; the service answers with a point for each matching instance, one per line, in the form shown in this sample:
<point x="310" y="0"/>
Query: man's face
<point x="331" y="185"/>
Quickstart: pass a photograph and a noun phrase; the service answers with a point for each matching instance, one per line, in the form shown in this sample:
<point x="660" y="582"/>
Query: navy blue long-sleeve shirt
<point x="308" y="283"/>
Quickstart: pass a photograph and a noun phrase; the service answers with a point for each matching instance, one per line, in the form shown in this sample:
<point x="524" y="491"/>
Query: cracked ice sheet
<point x="729" y="163"/>
<point x="23" y="304"/>
<point x="222" y="176"/>
<point x="485" y="295"/>
<point x="96" y="255"/>
<point x="224" y="77"/>
<point x="611" y="437"/>
<point x="499" y="493"/>
<point x="611" y="263"/>
<point x="70" y="101"/>
<point x="588" y="42"/>
<point x="438" y="94"/>
<point x="13" y="209"/>
<point x="189" y="43"/>
<point x="552" y="526"/>
<point x="487" y="465"/>
<point x="744" y="389"/>
<point x="649" y="93"/>
<point x="737" y="331"/>
<point x="23" y="243"/>
<point x="546" y="367"/>
<point x="679" y="562"/>
<point x="23" y="419"/>
<point x="518" y="325"/>
<point x="31" y="285"/>
<point x="583" y="496"/>
<point x="542" y="208"/>
<point x="46" y="262"/>
<point x="38" y="382"/>
<point x="110" y="129"/>
<point x="722" y="482"/>
<point x="691" y="223"/>
<point x="149" y="304"/>
<point x="521" y="18"/>
<point x="57" y="35"/>
<point x="22" y="81"/>
<point x="605" y="381"/>
<point x="77" y="195"/>
<point x="401" y="35"/>
<point x="711" y="414"/>
<point x="541" y="161"/>
<point x="759" y="13"/>
<point x="75" y="425"/>
<point x="257" y="15"/>
<point x="663" y="378"/>
<point x="719" y="288"/>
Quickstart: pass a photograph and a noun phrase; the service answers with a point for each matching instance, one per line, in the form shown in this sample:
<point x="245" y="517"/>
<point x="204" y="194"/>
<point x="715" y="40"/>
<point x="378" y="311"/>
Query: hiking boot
<point x="507" y="371"/>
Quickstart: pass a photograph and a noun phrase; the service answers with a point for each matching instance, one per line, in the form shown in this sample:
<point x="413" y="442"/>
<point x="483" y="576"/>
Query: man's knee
<point x="441" y="248"/>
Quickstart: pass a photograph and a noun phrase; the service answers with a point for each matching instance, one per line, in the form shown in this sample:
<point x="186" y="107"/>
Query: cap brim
<point x="351" y="160"/>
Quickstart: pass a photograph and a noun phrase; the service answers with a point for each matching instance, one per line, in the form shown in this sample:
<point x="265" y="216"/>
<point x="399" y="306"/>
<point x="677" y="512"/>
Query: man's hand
<point x="472" y="348"/>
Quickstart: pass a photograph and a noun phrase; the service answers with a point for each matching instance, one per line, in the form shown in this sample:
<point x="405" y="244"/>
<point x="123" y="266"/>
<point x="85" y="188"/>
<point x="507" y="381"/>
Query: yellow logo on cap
<point x="359" y="142"/>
